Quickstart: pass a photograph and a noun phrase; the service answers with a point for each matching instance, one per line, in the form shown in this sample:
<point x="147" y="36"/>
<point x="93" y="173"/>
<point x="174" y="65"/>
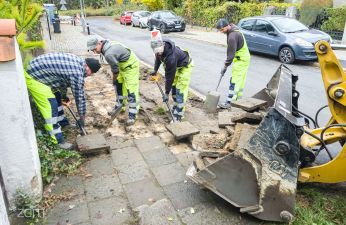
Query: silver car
<point x="140" y="19"/>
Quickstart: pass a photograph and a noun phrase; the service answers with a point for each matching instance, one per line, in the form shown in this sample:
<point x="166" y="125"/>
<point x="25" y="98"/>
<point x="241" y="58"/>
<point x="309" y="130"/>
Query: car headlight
<point x="303" y="43"/>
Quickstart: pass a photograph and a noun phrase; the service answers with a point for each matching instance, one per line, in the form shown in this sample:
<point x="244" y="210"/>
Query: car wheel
<point x="163" y="28"/>
<point x="140" y="25"/>
<point x="149" y="27"/>
<point x="132" y="24"/>
<point x="182" y="30"/>
<point x="286" y="55"/>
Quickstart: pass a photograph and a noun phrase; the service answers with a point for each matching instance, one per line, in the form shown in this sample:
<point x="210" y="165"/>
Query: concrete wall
<point x="339" y="3"/>
<point x="19" y="158"/>
<point x="3" y="213"/>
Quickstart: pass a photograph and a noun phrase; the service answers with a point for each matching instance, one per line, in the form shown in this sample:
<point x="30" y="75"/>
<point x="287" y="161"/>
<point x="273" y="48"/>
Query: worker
<point x="47" y="77"/>
<point x="238" y="54"/>
<point x="125" y="68"/>
<point x="178" y="68"/>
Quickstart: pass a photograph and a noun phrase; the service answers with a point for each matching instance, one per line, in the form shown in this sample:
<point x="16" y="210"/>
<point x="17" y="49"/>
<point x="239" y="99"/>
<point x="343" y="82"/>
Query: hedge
<point x="196" y="15"/>
<point x="336" y="19"/>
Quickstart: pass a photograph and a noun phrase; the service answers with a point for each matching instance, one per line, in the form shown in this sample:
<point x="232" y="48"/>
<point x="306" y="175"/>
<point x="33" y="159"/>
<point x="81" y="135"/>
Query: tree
<point x="152" y="5"/>
<point x="311" y="8"/>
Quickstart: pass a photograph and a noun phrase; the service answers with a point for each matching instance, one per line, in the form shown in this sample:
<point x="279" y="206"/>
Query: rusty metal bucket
<point x="261" y="177"/>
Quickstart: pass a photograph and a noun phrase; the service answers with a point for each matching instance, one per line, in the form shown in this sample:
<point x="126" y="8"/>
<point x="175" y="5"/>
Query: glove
<point x="223" y="70"/>
<point x="154" y="76"/>
<point x="81" y="122"/>
<point x="66" y="101"/>
<point x="165" y="98"/>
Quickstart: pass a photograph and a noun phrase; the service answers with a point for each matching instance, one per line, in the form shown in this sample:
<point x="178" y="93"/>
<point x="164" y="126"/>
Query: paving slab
<point x="208" y="214"/>
<point x="225" y="118"/>
<point x="126" y="156"/>
<point x="68" y="184"/>
<point x="249" y="104"/>
<point x="187" y="158"/>
<point x="241" y="136"/>
<point x="119" y="142"/>
<point x="149" y="143"/>
<point x="186" y="194"/>
<point x="133" y="172"/>
<point x="169" y="174"/>
<point x="159" y="157"/>
<point x="144" y="192"/>
<point x="182" y="130"/>
<point x="104" y="186"/>
<point x="160" y="213"/>
<point x="111" y="211"/>
<point x="99" y="165"/>
<point x="68" y="212"/>
<point x="253" y="118"/>
<point x="92" y="143"/>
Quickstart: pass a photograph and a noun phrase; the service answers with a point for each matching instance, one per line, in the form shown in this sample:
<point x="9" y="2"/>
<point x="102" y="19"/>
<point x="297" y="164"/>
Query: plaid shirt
<point x="59" y="71"/>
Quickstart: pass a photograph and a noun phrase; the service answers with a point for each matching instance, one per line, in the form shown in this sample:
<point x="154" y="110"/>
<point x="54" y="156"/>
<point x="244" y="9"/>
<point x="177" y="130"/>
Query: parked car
<point x="140" y="19"/>
<point x="166" y="21"/>
<point x="126" y="17"/>
<point x="281" y="36"/>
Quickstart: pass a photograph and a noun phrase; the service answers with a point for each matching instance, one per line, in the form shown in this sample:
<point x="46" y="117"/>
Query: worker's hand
<point x="115" y="77"/>
<point x="154" y="76"/>
<point x="165" y="98"/>
<point x="223" y="70"/>
<point x="66" y="102"/>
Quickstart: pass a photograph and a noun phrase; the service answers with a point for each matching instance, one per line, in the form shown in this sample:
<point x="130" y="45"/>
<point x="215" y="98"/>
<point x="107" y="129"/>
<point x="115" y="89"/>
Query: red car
<point x="126" y="17"/>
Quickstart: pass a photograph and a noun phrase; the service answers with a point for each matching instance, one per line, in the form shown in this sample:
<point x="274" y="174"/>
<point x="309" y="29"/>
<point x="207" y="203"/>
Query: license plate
<point x="177" y="26"/>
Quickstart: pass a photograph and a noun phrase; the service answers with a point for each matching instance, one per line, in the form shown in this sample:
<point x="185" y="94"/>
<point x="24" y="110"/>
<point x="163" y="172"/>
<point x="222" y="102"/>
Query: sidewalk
<point x="142" y="180"/>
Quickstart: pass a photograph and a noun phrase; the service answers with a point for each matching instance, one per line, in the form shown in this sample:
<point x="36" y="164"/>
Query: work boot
<point x="69" y="126"/>
<point x="66" y="146"/>
<point x="226" y="105"/>
<point x="130" y="122"/>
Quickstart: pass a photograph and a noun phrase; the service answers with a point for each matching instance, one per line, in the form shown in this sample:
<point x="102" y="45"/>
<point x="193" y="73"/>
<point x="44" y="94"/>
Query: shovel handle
<point x="221" y="76"/>
<point x="75" y="118"/>
<point x="167" y="104"/>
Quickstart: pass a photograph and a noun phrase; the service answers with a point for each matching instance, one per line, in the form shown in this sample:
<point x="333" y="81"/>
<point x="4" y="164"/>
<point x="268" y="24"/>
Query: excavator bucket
<point x="261" y="176"/>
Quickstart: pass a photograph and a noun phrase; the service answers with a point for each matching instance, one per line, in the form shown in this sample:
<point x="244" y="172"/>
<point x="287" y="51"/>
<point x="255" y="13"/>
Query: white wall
<point x="3" y="213"/>
<point x="19" y="159"/>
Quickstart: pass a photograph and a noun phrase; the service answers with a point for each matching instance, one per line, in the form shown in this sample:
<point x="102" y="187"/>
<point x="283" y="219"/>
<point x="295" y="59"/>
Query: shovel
<point x="75" y="117"/>
<point x="212" y="98"/>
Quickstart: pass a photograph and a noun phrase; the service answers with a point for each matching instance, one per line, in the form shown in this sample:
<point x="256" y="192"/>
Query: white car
<point x="140" y="19"/>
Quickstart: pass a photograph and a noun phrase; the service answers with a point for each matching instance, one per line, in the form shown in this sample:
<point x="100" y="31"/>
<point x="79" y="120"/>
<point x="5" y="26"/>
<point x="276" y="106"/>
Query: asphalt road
<point x="209" y="58"/>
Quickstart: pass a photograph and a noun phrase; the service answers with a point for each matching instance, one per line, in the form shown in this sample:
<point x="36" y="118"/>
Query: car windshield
<point x="145" y="14"/>
<point x="167" y="15"/>
<point x="288" y="25"/>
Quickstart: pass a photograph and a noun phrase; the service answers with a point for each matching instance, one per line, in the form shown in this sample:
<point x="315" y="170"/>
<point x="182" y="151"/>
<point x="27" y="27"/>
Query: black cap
<point x="221" y="23"/>
<point x="93" y="64"/>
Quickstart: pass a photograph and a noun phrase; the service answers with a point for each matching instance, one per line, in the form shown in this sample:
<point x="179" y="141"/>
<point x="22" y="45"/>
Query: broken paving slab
<point x="92" y="143"/>
<point x="249" y="104"/>
<point x="241" y="136"/>
<point x="182" y="130"/>
<point x="225" y="118"/>
<point x="253" y="118"/>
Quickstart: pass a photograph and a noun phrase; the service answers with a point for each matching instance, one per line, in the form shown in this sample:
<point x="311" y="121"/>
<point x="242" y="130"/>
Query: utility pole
<point x="82" y="14"/>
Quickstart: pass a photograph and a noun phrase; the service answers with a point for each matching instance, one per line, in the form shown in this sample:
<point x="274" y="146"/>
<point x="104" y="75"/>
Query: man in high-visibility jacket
<point x="47" y="78"/>
<point x="178" y="69"/>
<point x="125" y="68"/>
<point x="239" y="56"/>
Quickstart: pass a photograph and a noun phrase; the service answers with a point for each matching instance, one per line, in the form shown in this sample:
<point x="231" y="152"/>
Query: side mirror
<point x="272" y="33"/>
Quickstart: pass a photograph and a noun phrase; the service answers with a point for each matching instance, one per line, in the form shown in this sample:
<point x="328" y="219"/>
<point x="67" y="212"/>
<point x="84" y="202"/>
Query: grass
<point x="160" y="111"/>
<point x="320" y="205"/>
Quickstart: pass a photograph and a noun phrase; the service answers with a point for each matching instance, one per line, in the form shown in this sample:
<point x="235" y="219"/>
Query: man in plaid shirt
<point x="48" y="77"/>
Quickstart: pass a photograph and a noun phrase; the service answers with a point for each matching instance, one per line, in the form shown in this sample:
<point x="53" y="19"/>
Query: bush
<point x="311" y="8"/>
<point x="336" y="19"/>
<point x="206" y="15"/>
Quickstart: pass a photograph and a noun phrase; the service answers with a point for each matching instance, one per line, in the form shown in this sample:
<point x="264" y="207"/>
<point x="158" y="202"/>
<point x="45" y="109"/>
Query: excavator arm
<point x="334" y="79"/>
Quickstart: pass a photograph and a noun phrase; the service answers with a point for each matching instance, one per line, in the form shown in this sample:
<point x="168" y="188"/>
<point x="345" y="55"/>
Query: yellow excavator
<point x="261" y="176"/>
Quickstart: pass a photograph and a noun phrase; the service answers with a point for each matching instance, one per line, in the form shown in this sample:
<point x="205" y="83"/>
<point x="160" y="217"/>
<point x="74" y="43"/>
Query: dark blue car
<point x="281" y="36"/>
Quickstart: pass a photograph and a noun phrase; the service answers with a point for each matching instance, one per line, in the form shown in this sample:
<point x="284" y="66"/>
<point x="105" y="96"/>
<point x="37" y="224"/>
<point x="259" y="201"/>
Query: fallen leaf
<point x="71" y="207"/>
<point x="192" y="210"/>
<point x="121" y="210"/>
<point x="169" y="218"/>
<point x="88" y="175"/>
<point x="151" y="200"/>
